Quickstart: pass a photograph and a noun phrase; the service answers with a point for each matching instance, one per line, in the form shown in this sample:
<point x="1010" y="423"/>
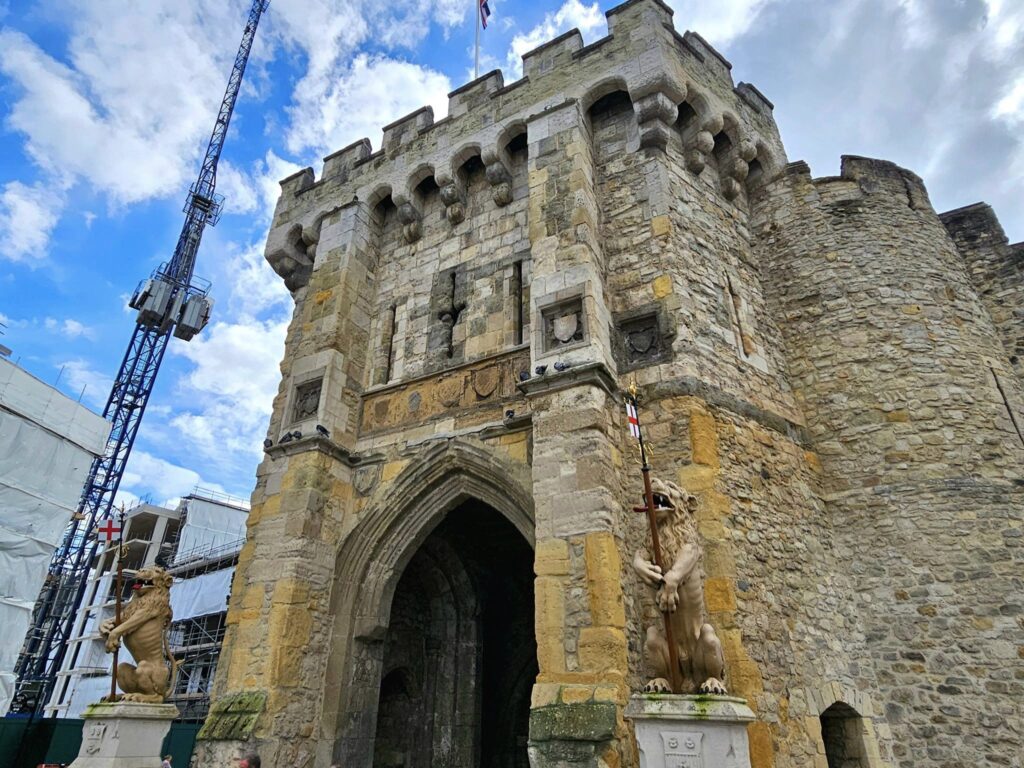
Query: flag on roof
<point x="485" y="11"/>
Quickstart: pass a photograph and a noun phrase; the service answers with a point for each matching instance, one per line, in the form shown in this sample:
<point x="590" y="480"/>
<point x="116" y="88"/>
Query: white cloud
<point x="588" y="19"/>
<point x="69" y="328"/>
<point x="360" y="99"/>
<point x="27" y="217"/>
<point x="232" y="385"/>
<point x="164" y="481"/>
<point x="719" y="23"/>
<point x="81" y="379"/>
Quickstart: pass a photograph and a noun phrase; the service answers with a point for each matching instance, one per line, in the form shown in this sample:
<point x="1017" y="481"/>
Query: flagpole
<point x="652" y="520"/>
<point x="476" y="46"/>
<point x="119" y="581"/>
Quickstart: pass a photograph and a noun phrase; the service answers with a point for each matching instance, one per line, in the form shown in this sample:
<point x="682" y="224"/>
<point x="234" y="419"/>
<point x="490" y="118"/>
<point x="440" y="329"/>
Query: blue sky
<point x="106" y="107"/>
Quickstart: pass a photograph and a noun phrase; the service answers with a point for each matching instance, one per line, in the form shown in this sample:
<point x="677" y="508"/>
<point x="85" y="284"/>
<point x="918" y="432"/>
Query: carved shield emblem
<point x="683" y="750"/>
<point x="641" y="340"/>
<point x="565" y="327"/>
<point x="485" y="382"/>
<point x="449" y="391"/>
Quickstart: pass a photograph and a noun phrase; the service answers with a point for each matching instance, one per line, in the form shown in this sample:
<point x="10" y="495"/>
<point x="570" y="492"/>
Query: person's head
<point x="249" y="760"/>
<point x="167" y="758"/>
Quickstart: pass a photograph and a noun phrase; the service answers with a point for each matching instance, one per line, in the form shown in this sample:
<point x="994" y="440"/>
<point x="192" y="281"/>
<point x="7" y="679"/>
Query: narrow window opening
<point x="390" y="324"/>
<point x="755" y="174"/>
<point x="517" y="294"/>
<point x="743" y="341"/>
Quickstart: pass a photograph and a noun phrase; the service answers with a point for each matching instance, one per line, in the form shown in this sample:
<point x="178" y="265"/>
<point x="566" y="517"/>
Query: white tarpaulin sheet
<point x="209" y="525"/>
<point x="201" y="595"/>
<point x="47" y="443"/>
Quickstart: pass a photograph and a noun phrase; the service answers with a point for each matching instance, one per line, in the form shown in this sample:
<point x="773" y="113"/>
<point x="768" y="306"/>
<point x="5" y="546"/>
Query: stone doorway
<point x="459" y="655"/>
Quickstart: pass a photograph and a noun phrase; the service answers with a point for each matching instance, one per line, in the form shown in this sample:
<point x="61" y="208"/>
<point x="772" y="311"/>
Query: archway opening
<point x="843" y="731"/>
<point x="459" y="656"/>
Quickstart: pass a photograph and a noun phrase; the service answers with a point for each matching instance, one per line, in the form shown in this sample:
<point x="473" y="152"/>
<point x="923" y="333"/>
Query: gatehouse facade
<point x="437" y="570"/>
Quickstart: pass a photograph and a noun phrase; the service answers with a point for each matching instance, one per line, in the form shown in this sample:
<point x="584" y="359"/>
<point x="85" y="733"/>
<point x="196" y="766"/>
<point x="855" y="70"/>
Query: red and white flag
<point x="634" y="421"/>
<point x="485" y="12"/>
<point x="107" y="529"/>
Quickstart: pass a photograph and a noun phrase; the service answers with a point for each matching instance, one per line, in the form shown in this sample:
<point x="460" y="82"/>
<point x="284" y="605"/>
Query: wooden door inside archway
<point x="459" y="656"/>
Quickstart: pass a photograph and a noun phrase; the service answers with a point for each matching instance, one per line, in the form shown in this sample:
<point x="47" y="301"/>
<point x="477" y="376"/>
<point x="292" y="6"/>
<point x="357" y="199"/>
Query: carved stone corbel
<point x="702" y="143"/>
<point x="453" y="195"/>
<point x="499" y="176"/>
<point x="409" y="216"/>
<point x="656" y="113"/>
<point x="739" y="168"/>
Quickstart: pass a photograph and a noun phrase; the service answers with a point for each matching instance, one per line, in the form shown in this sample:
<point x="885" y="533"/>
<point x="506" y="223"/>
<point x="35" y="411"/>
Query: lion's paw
<point x="713" y="686"/>
<point x="658" y="685"/>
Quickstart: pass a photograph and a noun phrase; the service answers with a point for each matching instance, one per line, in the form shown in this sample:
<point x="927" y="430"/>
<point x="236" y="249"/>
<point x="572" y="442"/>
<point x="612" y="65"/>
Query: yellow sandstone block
<point x="662" y="286"/>
<point x="576" y="694"/>
<point x="703" y="438"/>
<point x="661" y="225"/>
<point x="696" y="478"/>
<point x="719" y="595"/>
<point x="551" y="558"/>
<point x="604" y="574"/>
<point x="603" y="649"/>
<point x="544" y="694"/>
<point x="289" y="591"/>
<point x="762" y="754"/>
<point x="391" y="470"/>
<point x="549" y="614"/>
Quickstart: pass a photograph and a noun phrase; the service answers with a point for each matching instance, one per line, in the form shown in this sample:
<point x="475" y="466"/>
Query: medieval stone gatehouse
<point x="437" y="565"/>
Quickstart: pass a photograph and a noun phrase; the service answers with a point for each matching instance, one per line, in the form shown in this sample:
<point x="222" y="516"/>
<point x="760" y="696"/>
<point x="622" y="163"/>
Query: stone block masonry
<point x="832" y="368"/>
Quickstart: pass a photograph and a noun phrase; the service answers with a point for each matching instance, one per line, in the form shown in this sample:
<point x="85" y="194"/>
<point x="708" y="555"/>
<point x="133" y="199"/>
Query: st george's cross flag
<point x="485" y="12"/>
<point x="633" y="419"/>
<point x="107" y="529"/>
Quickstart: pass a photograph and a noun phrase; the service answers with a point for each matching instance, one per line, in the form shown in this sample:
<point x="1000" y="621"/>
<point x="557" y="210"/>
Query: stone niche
<point x="642" y="336"/>
<point x="306" y="400"/>
<point x="565" y="325"/>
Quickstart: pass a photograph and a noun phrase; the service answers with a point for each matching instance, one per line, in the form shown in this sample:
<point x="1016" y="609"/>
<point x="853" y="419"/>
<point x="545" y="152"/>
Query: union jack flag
<point x="485" y="11"/>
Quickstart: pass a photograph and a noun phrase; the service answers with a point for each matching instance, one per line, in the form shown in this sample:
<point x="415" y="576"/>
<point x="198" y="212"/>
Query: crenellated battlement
<point x="670" y="77"/>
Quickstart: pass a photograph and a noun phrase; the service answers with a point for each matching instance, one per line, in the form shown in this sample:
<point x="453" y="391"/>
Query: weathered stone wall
<point x="996" y="269"/>
<point x="891" y="353"/>
<point x="470" y="302"/>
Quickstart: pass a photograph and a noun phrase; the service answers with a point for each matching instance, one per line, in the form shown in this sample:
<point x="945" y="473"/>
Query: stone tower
<point x="436" y="572"/>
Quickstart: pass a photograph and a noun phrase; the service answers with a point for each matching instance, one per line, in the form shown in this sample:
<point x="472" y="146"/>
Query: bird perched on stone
<point x="322" y="430"/>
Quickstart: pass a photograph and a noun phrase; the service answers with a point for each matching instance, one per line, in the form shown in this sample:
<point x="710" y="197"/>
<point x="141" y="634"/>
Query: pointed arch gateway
<point x="416" y="537"/>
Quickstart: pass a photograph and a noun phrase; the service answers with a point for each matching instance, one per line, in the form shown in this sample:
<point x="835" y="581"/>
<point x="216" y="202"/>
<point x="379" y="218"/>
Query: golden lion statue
<point x="680" y="593"/>
<point x="143" y="627"/>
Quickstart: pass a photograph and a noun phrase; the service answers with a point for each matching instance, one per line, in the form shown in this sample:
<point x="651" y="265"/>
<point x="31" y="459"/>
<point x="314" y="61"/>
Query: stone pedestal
<point x="691" y="731"/>
<point x="124" y="735"/>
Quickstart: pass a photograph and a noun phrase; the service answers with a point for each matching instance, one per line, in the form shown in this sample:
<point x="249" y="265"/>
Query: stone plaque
<point x="564" y="324"/>
<point x="307" y="400"/>
<point x="485" y="381"/>
<point x="642" y="337"/>
<point x="682" y="749"/>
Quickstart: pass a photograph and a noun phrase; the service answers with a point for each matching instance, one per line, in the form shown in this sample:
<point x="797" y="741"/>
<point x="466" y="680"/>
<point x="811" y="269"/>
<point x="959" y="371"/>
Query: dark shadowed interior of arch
<point x="460" y="654"/>
<point x="842" y="730"/>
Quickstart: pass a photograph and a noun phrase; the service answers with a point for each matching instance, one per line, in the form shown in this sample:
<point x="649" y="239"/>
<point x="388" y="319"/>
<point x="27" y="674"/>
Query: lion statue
<point x="680" y="593"/>
<point x="143" y="627"/>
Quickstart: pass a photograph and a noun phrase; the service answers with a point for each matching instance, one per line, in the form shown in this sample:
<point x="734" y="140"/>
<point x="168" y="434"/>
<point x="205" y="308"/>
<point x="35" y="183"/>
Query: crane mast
<point x="170" y="301"/>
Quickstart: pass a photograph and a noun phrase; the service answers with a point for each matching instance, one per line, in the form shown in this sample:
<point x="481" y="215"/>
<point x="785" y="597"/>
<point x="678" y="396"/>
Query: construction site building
<point x="47" y="444"/>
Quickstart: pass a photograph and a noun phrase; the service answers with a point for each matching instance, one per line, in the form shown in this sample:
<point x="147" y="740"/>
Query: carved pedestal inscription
<point x="682" y="749"/>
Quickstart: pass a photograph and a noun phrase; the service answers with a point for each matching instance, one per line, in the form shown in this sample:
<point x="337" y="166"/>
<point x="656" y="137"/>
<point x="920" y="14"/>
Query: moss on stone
<point x="233" y="717"/>
<point x="588" y="721"/>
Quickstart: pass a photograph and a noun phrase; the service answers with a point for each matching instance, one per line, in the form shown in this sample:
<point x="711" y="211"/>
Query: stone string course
<point x="832" y="368"/>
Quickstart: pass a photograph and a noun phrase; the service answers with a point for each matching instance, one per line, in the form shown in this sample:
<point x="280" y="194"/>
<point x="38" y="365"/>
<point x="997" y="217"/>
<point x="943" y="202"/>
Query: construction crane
<point x="170" y="301"/>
